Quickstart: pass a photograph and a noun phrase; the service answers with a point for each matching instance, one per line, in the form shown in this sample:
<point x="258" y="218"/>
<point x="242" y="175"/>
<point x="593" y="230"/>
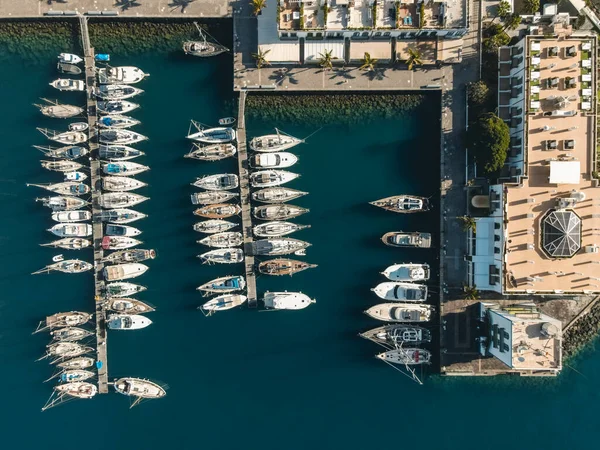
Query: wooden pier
<point x="96" y="183"/>
<point x="245" y="203"/>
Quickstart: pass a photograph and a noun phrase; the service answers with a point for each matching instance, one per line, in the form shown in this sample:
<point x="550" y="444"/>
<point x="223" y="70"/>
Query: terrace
<point x="300" y="15"/>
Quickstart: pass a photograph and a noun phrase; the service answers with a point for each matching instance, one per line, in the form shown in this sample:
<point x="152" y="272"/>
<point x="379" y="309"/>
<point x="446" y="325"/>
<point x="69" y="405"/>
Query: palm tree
<point x="471" y="293"/>
<point x="468" y="222"/>
<point x="368" y="63"/>
<point x="512" y="22"/>
<point x="503" y="10"/>
<point x="261" y="58"/>
<point x="258" y="5"/>
<point x="325" y="60"/>
<point x="414" y="58"/>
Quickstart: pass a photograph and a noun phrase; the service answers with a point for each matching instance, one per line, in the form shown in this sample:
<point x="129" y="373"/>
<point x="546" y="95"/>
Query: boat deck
<point x="96" y="183"/>
<point x="245" y="203"/>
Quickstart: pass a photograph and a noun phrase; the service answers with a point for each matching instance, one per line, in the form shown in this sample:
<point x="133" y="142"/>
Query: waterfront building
<point x="540" y="235"/>
<point x="524" y="339"/>
<point x="297" y="31"/>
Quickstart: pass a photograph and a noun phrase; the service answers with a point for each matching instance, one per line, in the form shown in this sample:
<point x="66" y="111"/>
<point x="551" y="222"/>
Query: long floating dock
<point x="245" y="202"/>
<point x="96" y="182"/>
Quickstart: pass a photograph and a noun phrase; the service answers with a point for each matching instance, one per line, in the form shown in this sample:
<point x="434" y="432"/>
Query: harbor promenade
<point x="97" y="231"/>
<point x="245" y="203"/>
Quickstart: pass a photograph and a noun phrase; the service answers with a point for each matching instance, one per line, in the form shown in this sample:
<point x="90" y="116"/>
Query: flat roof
<point x="314" y="49"/>
<point x="377" y="49"/>
<point x="549" y="139"/>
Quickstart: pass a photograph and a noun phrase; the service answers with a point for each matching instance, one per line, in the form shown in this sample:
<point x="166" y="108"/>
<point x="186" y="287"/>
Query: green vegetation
<point x="503" y="10"/>
<point x="257" y="6"/>
<point x="397" y="5"/>
<point x="531" y="6"/>
<point x="368" y="63"/>
<point x="471" y="293"/>
<point x="261" y="58"/>
<point x="512" y="22"/>
<point x="479" y="92"/>
<point x="468" y="223"/>
<point x="325" y="60"/>
<point x="414" y="58"/>
<point x="302" y="16"/>
<point x="422" y="15"/>
<point x="326" y="10"/>
<point x="374" y="13"/>
<point x="488" y="138"/>
<point x="330" y="108"/>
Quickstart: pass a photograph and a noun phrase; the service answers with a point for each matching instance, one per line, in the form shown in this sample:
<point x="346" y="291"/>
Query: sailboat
<point x="212" y="197"/>
<point x="226" y="239"/>
<point x="127" y="306"/>
<point x="117" y="121"/>
<point x="218" y="135"/>
<point x="121" y="184"/>
<point x="139" y="388"/>
<point x="218" y="211"/>
<point x="61" y="166"/>
<point x="117" y="107"/>
<point x="222" y="256"/>
<point x="68" y="152"/>
<point x="213" y="152"/>
<point x="202" y="47"/>
<point x="283" y="266"/>
<point x="127" y="322"/>
<point x="65" y="188"/>
<point x="69" y="243"/>
<point x="119" y="200"/>
<point x="406" y="356"/>
<point x="267" y="178"/>
<point x="116" y="91"/>
<point x="277" y="228"/>
<point x="214" y="226"/>
<point x="58" y="110"/>
<point x="403" y="203"/>
<point x="118" y="136"/>
<point x="119" y="242"/>
<point x="129" y="256"/>
<point x="223" y="285"/>
<point x="62" y="202"/>
<point x="280" y="211"/>
<point x="64" y="319"/>
<point x="274" y="142"/>
<point x="121" y="75"/>
<point x="69" y="334"/>
<point x="279" y="246"/>
<point x="66" y="137"/>
<point x="120" y="215"/>
<point x="223" y="302"/>
<point x="119" y="152"/>
<point x="218" y="182"/>
<point x="66" y="266"/>
<point x="276" y="194"/>
<point x="122" y="289"/>
<point x="392" y="336"/>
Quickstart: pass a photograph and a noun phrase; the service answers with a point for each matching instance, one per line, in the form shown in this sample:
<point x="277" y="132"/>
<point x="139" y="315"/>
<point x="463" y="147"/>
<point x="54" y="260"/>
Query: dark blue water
<point x="250" y="379"/>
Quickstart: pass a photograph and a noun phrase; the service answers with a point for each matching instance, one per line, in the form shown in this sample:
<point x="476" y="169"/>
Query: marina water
<point x="246" y="378"/>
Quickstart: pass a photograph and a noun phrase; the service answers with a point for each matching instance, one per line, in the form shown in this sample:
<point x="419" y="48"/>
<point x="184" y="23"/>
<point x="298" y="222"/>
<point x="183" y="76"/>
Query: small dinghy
<point x="116" y="136"/>
<point x="65" y="188"/>
<point x="406" y="356"/>
<point x="277" y="160"/>
<point x="124" y="271"/>
<point x="127" y="322"/>
<point x="69" y="152"/>
<point x="59" y="111"/>
<point x="69" y="243"/>
<point x="403" y="203"/>
<point x="219" y="182"/>
<point x="61" y="166"/>
<point x="287" y="300"/>
<point x="407" y="272"/>
<point x="121" y="215"/>
<point x="71" y="376"/>
<point x="69" y="58"/>
<point x="226" y="239"/>
<point x="78" y="126"/>
<point x="214" y="152"/>
<point x="137" y="387"/>
<point x="66" y="266"/>
<point x="71" y="230"/>
<point x="283" y="266"/>
<point x="75" y="176"/>
<point x="222" y="256"/>
<point x="121" y="184"/>
<point x="212" y="197"/>
<point x="79" y="389"/>
<point x="70" y="69"/>
<point x="70" y="334"/>
<point x="127" y="256"/>
<point x="119" y="152"/>
<point x="121" y="75"/>
<point x="116" y="91"/>
<point x="280" y="211"/>
<point x="400" y="312"/>
<point x="67" y="84"/>
<point x="279" y="246"/>
<point x="214" y="226"/>
<point x="223" y="285"/>
<point x="116" y="107"/>
<point x="407" y="239"/>
<point x="65" y="319"/>
<point x="227" y="121"/>
<point x="219" y="211"/>
<point x="223" y="302"/>
<point x="117" y="121"/>
<point x="128" y="306"/>
<point x="83" y="362"/>
<point x="274" y="142"/>
<point x="67" y="137"/>
<point x="121" y="230"/>
<point x="220" y="135"/>
<point x="277" y="195"/>
<point x="101" y="57"/>
<point x="62" y="203"/>
<point x="277" y="228"/>
<point x="393" y="336"/>
<point x="71" y="216"/>
<point x="122" y="289"/>
<point x="126" y="168"/>
<point x="118" y="200"/>
<point x="409" y="292"/>
<point x="266" y="178"/>
<point x="119" y="242"/>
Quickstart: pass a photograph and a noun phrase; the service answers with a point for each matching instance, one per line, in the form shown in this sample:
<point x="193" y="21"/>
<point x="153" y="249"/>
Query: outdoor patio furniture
<point x="571" y="51"/>
<point x="569" y="144"/>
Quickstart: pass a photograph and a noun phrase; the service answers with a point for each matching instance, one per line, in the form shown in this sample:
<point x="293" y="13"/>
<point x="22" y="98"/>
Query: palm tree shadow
<point x="183" y="4"/>
<point x="376" y="74"/>
<point x="124" y="5"/>
<point x="342" y="72"/>
<point x="286" y="74"/>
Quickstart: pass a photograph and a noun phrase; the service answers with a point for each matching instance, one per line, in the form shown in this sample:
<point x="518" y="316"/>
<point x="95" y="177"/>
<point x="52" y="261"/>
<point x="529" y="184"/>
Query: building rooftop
<point x="542" y="254"/>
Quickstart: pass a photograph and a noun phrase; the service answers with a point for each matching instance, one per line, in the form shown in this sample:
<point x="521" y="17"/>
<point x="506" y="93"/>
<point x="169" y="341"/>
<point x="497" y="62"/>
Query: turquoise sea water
<point x="250" y="379"/>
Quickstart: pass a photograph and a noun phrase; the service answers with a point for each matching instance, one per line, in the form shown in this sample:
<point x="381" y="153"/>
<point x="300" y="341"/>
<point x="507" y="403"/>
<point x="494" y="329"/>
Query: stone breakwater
<point x="32" y="40"/>
<point x="582" y="333"/>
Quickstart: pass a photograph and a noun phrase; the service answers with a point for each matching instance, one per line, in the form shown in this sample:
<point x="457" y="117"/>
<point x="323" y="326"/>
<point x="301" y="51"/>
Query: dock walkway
<point x="96" y="182"/>
<point x="245" y="202"/>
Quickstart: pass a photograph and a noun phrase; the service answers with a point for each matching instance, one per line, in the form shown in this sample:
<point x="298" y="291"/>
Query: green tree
<point x="478" y="92"/>
<point x="368" y="63"/>
<point x="471" y="293"/>
<point x="531" y="6"/>
<point x="261" y="58"/>
<point x="488" y="138"/>
<point x="257" y="6"/>
<point x="468" y="222"/>
<point x="325" y="60"/>
<point x="503" y="10"/>
<point x="512" y="22"/>
<point x="414" y="58"/>
<point x="493" y="43"/>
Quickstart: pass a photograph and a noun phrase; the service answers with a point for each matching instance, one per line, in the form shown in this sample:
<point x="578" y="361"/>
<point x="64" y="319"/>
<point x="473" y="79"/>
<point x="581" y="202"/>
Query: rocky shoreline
<point x="583" y="333"/>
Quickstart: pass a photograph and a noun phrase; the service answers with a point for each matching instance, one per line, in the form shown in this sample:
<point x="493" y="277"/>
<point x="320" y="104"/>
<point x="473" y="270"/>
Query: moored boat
<point x="225" y="239"/>
<point x="392" y="336"/>
<point x="219" y="182"/>
<point x="116" y="91"/>
<point x="69" y="58"/>
<point x="126" y="168"/>
<point x="219" y="211"/>
<point x="127" y="322"/>
<point x="223" y="302"/>
<point x="117" y="136"/>
<point x="118" y="242"/>
<point x="222" y="256"/>
<point x="59" y="111"/>
<point x="280" y="211"/>
<point x="409" y="292"/>
<point x="127" y="306"/>
<point x="70" y="376"/>
<point x="277" y="228"/>
<point x="65" y="188"/>
<point x="82" y="362"/>
<point x="122" y="289"/>
<point x="214" y="226"/>
<point x="219" y="135"/>
<point x="78" y="126"/>
<point x="71" y="230"/>
<point x="66" y="319"/>
<point x="124" y="271"/>
<point x="116" y="107"/>
<point x="406" y="356"/>
<point x="275" y="160"/>
<point x="121" y="75"/>
<point x="69" y="243"/>
<point x="126" y="256"/>
<point x="276" y="195"/>
<point x="407" y="272"/>
<point x="203" y="48"/>
<point x="267" y="178"/>
<point x="71" y="216"/>
<point x="71" y="69"/>
<point x="120" y="215"/>
<point x="61" y="165"/>
<point x="66" y="266"/>
<point x="66" y="137"/>
<point x="122" y="184"/>
<point x="138" y="387"/>
<point x="121" y="230"/>
<point x="274" y="142"/>
<point x="119" y="152"/>
<point x="117" y="121"/>
<point x="403" y="203"/>
<point x="119" y="200"/>
<point x="212" y="197"/>
<point x="278" y="246"/>
<point x="223" y="285"/>
<point x="74" y="176"/>
<point x="213" y="152"/>
<point x="287" y="300"/>
<point x="69" y="152"/>
<point x="62" y="350"/>
<point x="69" y="334"/>
<point x="400" y="312"/>
<point x="407" y="239"/>
<point x="62" y="203"/>
<point x="67" y="84"/>
<point x="78" y="389"/>
<point x="283" y="266"/>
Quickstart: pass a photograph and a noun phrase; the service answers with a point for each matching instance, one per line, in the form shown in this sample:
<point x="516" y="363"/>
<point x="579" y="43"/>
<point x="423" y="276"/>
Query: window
<point x="284" y="35"/>
<point x="387" y="34"/>
<point x="378" y="34"/>
<point x="309" y="35"/>
<point x="505" y="347"/>
<point x="506" y="336"/>
<point x="293" y="35"/>
<point x="365" y="34"/>
<point x="356" y="34"/>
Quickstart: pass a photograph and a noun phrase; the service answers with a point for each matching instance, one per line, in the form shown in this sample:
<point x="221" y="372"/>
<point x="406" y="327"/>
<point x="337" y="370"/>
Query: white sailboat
<point x="218" y="135"/>
<point x="277" y="228"/>
<point x="223" y="303"/>
<point x="398" y="291"/>
<point x="127" y="322"/>
<point x="274" y="142"/>
<point x="121" y="184"/>
<point x="121" y="75"/>
<point x="267" y="178"/>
